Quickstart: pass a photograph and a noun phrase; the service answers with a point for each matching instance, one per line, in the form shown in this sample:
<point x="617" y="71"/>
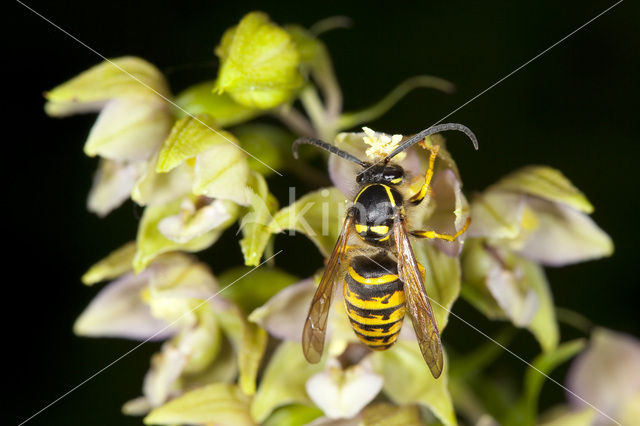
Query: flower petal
<point x="343" y="393"/>
<point x="189" y="137"/>
<point x="450" y="212"/>
<point x="126" y="76"/>
<point x="217" y="403"/>
<point x="222" y="172"/>
<point x="544" y="182"/>
<point x="115" y="264"/>
<point x="254" y="223"/>
<point x="284" y="314"/>
<point x="119" y="310"/>
<point x="112" y="184"/>
<point x="129" y="129"/>
<point x="258" y="63"/>
<point x="283" y="381"/>
<point x="193" y="222"/>
<point x="151" y="242"/>
<point x="153" y="188"/>
<point x="199" y="99"/>
<point x="607" y="374"/>
<point x="496" y="215"/>
<point x="564" y="236"/>
<point x="407" y="380"/>
<point x="319" y="215"/>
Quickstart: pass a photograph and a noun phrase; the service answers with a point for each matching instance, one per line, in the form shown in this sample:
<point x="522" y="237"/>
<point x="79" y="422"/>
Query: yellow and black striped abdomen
<point x="374" y="298"/>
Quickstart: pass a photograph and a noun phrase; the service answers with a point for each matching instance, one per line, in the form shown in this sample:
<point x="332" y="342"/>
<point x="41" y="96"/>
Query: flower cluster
<point x="200" y="161"/>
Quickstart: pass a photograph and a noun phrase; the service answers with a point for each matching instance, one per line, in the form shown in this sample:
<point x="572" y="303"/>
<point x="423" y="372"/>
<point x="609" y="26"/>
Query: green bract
<point x="258" y="63"/>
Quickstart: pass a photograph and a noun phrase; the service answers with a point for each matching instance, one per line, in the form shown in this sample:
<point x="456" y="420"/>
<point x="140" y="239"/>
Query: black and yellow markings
<point x="375" y="300"/>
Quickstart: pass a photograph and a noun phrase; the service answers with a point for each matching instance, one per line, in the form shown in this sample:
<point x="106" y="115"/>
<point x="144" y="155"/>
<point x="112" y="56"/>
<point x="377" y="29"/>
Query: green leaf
<point x="217" y="403"/>
<point x="544" y="182"/>
<point x="283" y="381"/>
<point x="254" y="223"/>
<point x="126" y="76"/>
<point x="271" y="144"/>
<point x="319" y="215"/>
<point x="407" y="380"/>
<point x="293" y="415"/>
<point x="258" y="63"/>
<point x="189" y="137"/>
<point x="151" y="242"/>
<point x="256" y="288"/>
<point x="115" y="264"/>
<point x="442" y="281"/>
<point x="199" y="99"/>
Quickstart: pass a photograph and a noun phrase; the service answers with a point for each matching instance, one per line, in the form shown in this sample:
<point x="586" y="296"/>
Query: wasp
<point x="373" y="258"/>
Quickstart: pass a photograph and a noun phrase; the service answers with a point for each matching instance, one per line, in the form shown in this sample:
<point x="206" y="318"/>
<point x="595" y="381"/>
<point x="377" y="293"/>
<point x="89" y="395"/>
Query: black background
<point x="575" y="108"/>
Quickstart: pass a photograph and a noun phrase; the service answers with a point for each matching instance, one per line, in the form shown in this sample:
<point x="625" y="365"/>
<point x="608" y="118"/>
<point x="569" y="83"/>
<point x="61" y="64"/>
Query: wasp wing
<point x="316" y="324"/>
<point x="417" y="301"/>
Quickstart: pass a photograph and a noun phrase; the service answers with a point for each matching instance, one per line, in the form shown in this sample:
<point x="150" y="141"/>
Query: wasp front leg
<point x="425" y="190"/>
<point x="437" y="236"/>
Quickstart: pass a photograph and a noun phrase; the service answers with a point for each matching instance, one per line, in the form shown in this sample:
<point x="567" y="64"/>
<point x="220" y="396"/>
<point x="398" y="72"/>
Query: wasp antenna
<point x="430" y="131"/>
<point x="327" y="147"/>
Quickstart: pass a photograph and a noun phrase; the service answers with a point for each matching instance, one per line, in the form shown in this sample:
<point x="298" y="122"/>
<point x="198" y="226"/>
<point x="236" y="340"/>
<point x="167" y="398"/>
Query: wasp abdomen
<point x="375" y="300"/>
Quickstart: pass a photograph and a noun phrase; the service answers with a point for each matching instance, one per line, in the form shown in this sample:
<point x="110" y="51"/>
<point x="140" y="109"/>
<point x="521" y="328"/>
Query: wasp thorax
<point x="380" y="173"/>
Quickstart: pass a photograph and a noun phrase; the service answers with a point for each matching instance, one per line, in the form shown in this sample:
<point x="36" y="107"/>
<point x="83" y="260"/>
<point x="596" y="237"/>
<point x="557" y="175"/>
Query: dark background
<point x="575" y="108"/>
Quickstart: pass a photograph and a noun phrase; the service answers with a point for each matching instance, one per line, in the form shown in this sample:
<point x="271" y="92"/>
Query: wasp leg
<point x="434" y="235"/>
<point x="419" y="196"/>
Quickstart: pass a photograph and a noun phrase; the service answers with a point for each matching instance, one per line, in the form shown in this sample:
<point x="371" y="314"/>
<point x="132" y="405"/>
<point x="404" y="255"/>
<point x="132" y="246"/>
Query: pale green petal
<point x="119" y="310"/>
<point x="254" y="223"/>
<point x="382" y="414"/>
<point x="293" y="415"/>
<point x="199" y="99"/>
<point x="504" y="286"/>
<point x="222" y="172"/>
<point x="583" y="417"/>
<point x="544" y="324"/>
<point x="129" y="129"/>
<point x="341" y="394"/>
<point x="442" y="281"/>
<point x="259" y="63"/>
<point x="284" y="314"/>
<point x="630" y="411"/>
<point x="153" y="188"/>
<point x="250" y="290"/>
<point x="283" y="381"/>
<point x="195" y="220"/>
<point x="544" y="182"/>
<point x="249" y="341"/>
<point x="319" y="215"/>
<point x="496" y="215"/>
<point x="217" y="403"/>
<point x="151" y="243"/>
<point x="120" y="77"/>
<point x="189" y="137"/>
<point x="407" y="380"/>
<point x="112" y="184"/>
<point x="115" y="264"/>
<point x="607" y="375"/>
<point x="166" y="367"/>
<point x="564" y="236"/>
